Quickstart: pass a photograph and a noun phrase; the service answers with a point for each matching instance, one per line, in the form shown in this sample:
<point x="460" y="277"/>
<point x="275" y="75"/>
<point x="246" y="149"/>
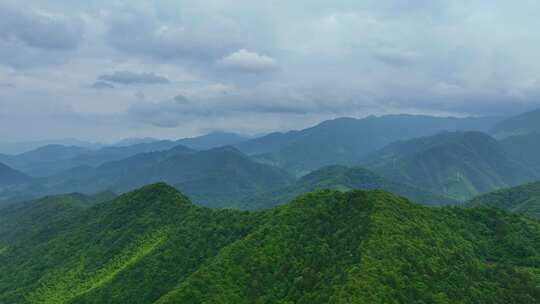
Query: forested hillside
<point x="522" y="199"/>
<point x="455" y="164"/>
<point x="154" y="246"/>
<point x="343" y="178"/>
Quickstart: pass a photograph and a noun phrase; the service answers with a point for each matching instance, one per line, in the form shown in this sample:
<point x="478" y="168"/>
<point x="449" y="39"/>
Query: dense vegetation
<point x="20" y="220"/>
<point x="153" y="246"/>
<point x="523" y="199"/>
<point x="456" y="164"/>
<point x="343" y="179"/>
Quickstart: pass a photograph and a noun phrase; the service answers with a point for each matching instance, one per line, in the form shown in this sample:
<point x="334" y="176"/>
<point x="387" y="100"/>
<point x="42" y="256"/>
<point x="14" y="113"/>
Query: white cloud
<point x="247" y="61"/>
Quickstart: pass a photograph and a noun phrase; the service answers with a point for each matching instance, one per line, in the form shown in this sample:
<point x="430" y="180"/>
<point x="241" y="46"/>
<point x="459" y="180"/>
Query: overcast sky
<point x="103" y="70"/>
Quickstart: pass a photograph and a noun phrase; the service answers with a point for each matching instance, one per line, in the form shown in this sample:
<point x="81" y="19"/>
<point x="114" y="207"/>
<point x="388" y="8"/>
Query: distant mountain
<point x="522" y="199"/>
<point x="14" y="148"/>
<point x="525" y="123"/>
<point x="21" y="220"/>
<point x="212" y="140"/>
<point x="346" y="140"/>
<point x="215" y="177"/>
<point x="154" y="246"/>
<point x="44" y="160"/>
<point x="525" y="148"/>
<point x="15" y="185"/>
<point x="343" y="179"/>
<point x="455" y="164"/>
<point x="134" y="141"/>
<point x="9" y="176"/>
<point x="53" y="159"/>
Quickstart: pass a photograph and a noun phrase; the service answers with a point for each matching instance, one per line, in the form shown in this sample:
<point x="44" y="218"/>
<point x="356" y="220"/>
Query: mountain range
<point x="459" y="165"/>
<point x="153" y="245"/>
<point x="345" y="140"/>
<point x="217" y="177"/>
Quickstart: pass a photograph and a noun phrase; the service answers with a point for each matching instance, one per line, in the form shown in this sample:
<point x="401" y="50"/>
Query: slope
<point x="343" y="179"/>
<point x="528" y="122"/>
<point x="456" y="164"/>
<point x="373" y="247"/>
<point x="523" y="199"/>
<point x="153" y="246"/>
<point x="130" y="250"/>
<point x="345" y="140"/>
<point x="217" y="177"/>
<point x="15" y="185"/>
<point x="525" y="148"/>
<point x="19" y="221"/>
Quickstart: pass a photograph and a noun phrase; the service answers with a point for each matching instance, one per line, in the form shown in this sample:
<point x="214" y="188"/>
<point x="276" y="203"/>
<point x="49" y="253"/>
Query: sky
<point x="105" y="70"/>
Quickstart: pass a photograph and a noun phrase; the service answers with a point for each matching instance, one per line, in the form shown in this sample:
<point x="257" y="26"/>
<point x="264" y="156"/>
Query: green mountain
<point x="525" y="123"/>
<point x="525" y="148"/>
<point x="218" y="177"/>
<point x="153" y="246"/>
<point x="455" y="164"/>
<point x="18" y="221"/>
<point x="130" y="250"/>
<point x="344" y="141"/>
<point x="523" y="199"/>
<point x="343" y="178"/>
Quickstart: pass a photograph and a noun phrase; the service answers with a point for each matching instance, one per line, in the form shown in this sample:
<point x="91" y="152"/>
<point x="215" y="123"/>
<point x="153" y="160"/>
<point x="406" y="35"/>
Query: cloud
<point x="102" y="85"/>
<point x="395" y="56"/>
<point x="38" y="30"/>
<point x="132" y="78"/>
<point x="246" y="61"/>
<point x="139" y="32"/>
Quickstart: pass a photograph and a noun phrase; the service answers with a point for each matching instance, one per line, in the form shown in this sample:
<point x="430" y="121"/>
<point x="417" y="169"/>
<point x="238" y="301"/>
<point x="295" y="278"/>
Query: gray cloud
<point x="268" y="63"/>
<point x="395" y="56"/>
<point x="143" y="33"/>
<point x="30" y="28"/>
<point x="102" y="85"/>
<point x="132" y="78"/>
<point x="246" y="61"/>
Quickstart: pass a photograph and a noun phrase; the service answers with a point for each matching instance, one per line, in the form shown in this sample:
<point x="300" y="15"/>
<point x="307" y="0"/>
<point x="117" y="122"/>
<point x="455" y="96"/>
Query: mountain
<point x="53" y="159"/>
<point x="346" y="140"/>
<point x="525" y="148"/>
<point x="43" y="159"/>
<point x="50" y="160"/>
<point x="525" y="123"/>
<point x="15" y="185"/>
<point x="153" y="246"/>
<point x="455" y="164"/>
<point x="212" y="140"/>
<point x="18" y="221"/>
<point x="215" y="177"/>
<point x="343" y="179"/>
<point x="523" y="199"/>
<point x="134" y="141"/>
<point x="130" y="250"/>
<point x="9" y="176"/>
<point x="14" y="148"/>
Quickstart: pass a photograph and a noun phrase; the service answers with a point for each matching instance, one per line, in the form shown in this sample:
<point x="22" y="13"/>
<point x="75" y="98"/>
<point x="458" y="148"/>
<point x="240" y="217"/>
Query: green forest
<point x="153" y="245"/>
